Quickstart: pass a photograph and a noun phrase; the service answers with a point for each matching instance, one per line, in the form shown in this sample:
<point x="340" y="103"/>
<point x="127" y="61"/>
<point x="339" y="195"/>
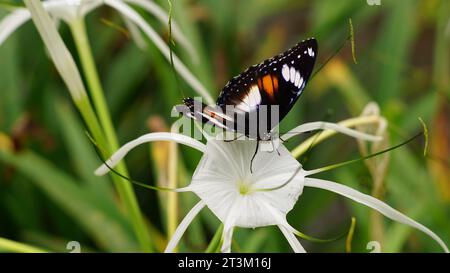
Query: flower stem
<point x="78" y="29"/>
<point x="172" y="197"/>
<point x="13" y="246"/>
<point x="348" y="241"/>
<point x="214" y="245"/>
<point x="109" y="143"/>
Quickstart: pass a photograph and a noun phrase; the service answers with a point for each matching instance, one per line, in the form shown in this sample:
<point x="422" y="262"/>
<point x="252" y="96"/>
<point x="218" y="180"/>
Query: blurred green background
<point x="49" y="195"/>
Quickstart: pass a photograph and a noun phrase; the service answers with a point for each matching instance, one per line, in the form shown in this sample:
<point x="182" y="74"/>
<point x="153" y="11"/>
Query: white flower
<point x="261" y="197"/>
<point x="71" y="10"/>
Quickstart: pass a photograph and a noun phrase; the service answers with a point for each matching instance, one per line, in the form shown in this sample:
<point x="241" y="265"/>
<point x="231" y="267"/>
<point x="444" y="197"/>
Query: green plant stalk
<point x="215" y="243"/>
<point x="110" y="144"/>
<point x="172" y="197"/>
<point x="348" y="241"/>
<point x="13" y="246"/>
<point x="87" y="113"/>
<point x="441" y="67"/>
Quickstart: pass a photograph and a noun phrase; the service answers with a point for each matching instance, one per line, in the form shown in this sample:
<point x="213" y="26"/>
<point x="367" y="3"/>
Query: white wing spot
<point x="300" y="83"/>
<point x="285" y="72"/>
<point x="297" y="79"/>
<point x="310" y="52"/>
<point x="292" y="76"/>
<point x="251" y="100"/>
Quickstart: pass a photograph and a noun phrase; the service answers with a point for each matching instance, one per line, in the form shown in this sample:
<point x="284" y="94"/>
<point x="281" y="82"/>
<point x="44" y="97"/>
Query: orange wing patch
<point x="268" y="84"/>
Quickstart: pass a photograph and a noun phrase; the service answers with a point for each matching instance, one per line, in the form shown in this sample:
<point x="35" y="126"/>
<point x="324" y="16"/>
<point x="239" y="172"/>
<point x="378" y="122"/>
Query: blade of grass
<point x="64" y="191"/>
<point x="7" y="245"/>
<point x="393" y="47"/>
<point x="441" y="68"/>
<point x="68" y="70"/>
<point x="11" y="97"/>
<point x="80" y="149"/>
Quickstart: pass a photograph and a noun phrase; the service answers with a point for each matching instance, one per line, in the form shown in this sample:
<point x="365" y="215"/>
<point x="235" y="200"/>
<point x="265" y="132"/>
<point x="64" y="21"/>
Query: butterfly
<point x="249" y="102"/>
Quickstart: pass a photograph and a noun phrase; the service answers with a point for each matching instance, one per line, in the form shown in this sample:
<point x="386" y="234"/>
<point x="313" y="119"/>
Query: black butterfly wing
<point x="283" y="78"/>
<point x="199" y="111"/>
<point x="278" y="81"/>
<point x="242" y="92"/>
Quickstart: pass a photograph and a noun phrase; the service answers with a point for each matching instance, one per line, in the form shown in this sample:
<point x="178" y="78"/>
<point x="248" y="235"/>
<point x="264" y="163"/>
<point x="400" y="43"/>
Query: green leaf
<point x="392" y="49"/>
<point x="66" y="192"/>
<point x="7" y="245"/>
<point x="11" y="95"/>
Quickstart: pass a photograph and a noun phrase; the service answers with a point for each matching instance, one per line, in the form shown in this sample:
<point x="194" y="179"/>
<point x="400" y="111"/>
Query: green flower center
<point x="244" y="187"/>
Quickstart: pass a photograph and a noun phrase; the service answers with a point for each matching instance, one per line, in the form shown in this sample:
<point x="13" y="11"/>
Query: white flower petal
<point x="70" y="10"/>
<point x="226" y="242"/>
<point x="223" y="178"/>
<point x="183" y="226"/>
<point x="372" y="203"/>
<point x="13" y="21"/>
<point x="320" y="125"/>
<point x="292" y="239"/>
<point x="228" y="226"/>
<point x="288" y="231"/>
<point x="58" y="51"/>
<point x="161" y="45"/>
<point x="117" y="156"/>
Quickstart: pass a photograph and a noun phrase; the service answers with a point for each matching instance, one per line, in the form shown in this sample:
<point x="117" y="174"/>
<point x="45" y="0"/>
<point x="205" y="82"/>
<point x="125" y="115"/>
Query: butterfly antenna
<point x="351" y="37"/>
<point x="331" y="56"/>
<point x="171" y="47"/>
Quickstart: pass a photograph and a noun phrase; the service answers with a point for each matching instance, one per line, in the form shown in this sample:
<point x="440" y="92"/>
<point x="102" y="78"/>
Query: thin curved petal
<point x="228" y="226"/>
<point x="162" y="16"/>
<point x="117" y="156"/>
<point x="10" y="23"/>
<point x="292" y="240"/>
<point x="161" y="45"/>
<point x="287" y="230"/>
<point x="60" y="55"/>
<point x="183" y="226"/>
<point x="321" y="125"/>
<point x="372" y="203"/>
<point x="227" y="238"/>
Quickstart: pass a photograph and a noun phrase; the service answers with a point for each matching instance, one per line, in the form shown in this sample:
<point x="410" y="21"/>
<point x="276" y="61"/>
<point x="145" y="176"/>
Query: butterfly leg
<point x="254" y="155"/>
<point x="275" y="148"/>
<point x="282" y="140"/>
<point x="234" y="139"/>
